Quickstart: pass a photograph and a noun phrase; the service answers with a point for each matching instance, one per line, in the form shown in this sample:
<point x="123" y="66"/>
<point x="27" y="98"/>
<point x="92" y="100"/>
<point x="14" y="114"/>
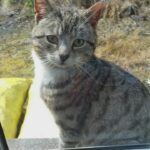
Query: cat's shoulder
<point x="122" y="78"/>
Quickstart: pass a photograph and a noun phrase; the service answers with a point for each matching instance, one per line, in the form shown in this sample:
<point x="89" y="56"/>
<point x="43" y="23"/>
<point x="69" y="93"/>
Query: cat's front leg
<point x="67" y="144"/>
<point x="61" y="145"/>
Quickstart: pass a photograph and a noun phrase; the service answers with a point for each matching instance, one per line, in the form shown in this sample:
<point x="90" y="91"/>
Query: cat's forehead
<point x="68" y="18"/>
<point x="64" y="20"/>
<point x="66" y="13"/>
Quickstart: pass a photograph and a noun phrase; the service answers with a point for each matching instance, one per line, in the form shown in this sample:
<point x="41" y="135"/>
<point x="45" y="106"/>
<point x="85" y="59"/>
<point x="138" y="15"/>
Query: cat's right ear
<point x="40" y="9"/>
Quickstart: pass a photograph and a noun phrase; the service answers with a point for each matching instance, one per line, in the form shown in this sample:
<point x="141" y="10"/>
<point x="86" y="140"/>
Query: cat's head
<point x="65" y="36"/>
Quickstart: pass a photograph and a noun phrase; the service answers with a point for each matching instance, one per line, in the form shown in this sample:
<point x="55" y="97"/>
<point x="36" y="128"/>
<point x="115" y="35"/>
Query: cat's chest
<point x="69" y="91"/>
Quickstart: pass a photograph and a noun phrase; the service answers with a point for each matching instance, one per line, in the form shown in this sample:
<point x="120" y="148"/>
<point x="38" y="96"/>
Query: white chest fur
<point x="39" y="122"/>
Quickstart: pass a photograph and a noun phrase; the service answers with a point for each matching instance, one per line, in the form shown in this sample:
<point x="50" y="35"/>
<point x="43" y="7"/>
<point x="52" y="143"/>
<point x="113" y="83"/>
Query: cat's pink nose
<point x="63" y="57"/>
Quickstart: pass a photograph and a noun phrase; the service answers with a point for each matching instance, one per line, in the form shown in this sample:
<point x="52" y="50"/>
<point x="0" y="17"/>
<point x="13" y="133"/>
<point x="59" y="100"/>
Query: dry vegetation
<point x="125" y="42"/>
<point x="15" y="47"/>
<point x="131" y="52"/>
<point x="15" y="59"/>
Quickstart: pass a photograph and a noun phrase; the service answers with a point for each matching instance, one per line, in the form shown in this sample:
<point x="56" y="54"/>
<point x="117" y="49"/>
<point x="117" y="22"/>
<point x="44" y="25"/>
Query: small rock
<point x="129" y="11"/>
<point x="138" y="18"/>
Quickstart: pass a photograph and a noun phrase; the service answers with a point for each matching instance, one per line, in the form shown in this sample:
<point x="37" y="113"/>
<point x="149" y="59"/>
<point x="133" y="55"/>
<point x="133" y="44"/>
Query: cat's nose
<point x="63" y="57"/>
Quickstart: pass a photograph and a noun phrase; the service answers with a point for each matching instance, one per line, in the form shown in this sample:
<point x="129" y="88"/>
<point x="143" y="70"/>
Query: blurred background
<point x="123" y="35"/>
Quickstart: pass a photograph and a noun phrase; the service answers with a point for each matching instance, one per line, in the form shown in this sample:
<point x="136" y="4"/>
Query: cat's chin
<point x="61" y="66"/>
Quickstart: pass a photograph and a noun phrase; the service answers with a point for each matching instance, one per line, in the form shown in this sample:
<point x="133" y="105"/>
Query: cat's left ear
<point x="95" y="12"/>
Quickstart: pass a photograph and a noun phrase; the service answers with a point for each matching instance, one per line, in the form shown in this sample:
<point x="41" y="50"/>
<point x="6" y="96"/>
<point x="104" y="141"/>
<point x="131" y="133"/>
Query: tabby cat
<point x="94" y="102"/>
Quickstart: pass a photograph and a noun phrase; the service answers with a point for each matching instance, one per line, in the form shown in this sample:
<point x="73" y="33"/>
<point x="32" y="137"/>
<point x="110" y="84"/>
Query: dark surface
<point x="3" y="144"/>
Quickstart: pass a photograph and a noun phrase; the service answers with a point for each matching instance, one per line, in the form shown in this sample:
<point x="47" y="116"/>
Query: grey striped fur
<point x="94" y="102"/>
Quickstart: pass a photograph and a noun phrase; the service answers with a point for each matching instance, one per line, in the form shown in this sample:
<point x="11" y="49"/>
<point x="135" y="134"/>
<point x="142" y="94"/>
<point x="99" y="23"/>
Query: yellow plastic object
<point x="13" y="93"/>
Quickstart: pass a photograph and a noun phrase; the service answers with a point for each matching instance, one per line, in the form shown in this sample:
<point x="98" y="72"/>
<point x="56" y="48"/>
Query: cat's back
<point x="120" y="86"/>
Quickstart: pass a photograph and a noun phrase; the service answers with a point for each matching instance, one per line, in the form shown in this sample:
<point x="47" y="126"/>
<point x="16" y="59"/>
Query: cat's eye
<point x="52" y="39"/>
<point x="78" y="43"/>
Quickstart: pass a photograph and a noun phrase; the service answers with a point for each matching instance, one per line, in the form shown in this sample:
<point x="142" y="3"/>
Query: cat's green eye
<point x="52" y="39"/>
<point x="78" y="43"/>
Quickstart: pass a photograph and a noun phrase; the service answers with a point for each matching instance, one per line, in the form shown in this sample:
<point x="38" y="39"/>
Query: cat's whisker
<point x="51" y="55"/>
<point x="51" y="62"/>
<point x="85" y="71"/>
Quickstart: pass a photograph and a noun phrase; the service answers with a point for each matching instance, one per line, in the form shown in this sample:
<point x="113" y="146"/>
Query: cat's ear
<point x="95" y="12"/>
<point x="40" y="9"/>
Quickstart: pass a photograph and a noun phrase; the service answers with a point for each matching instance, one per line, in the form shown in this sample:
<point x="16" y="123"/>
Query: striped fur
<point x="94" y="102"/>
